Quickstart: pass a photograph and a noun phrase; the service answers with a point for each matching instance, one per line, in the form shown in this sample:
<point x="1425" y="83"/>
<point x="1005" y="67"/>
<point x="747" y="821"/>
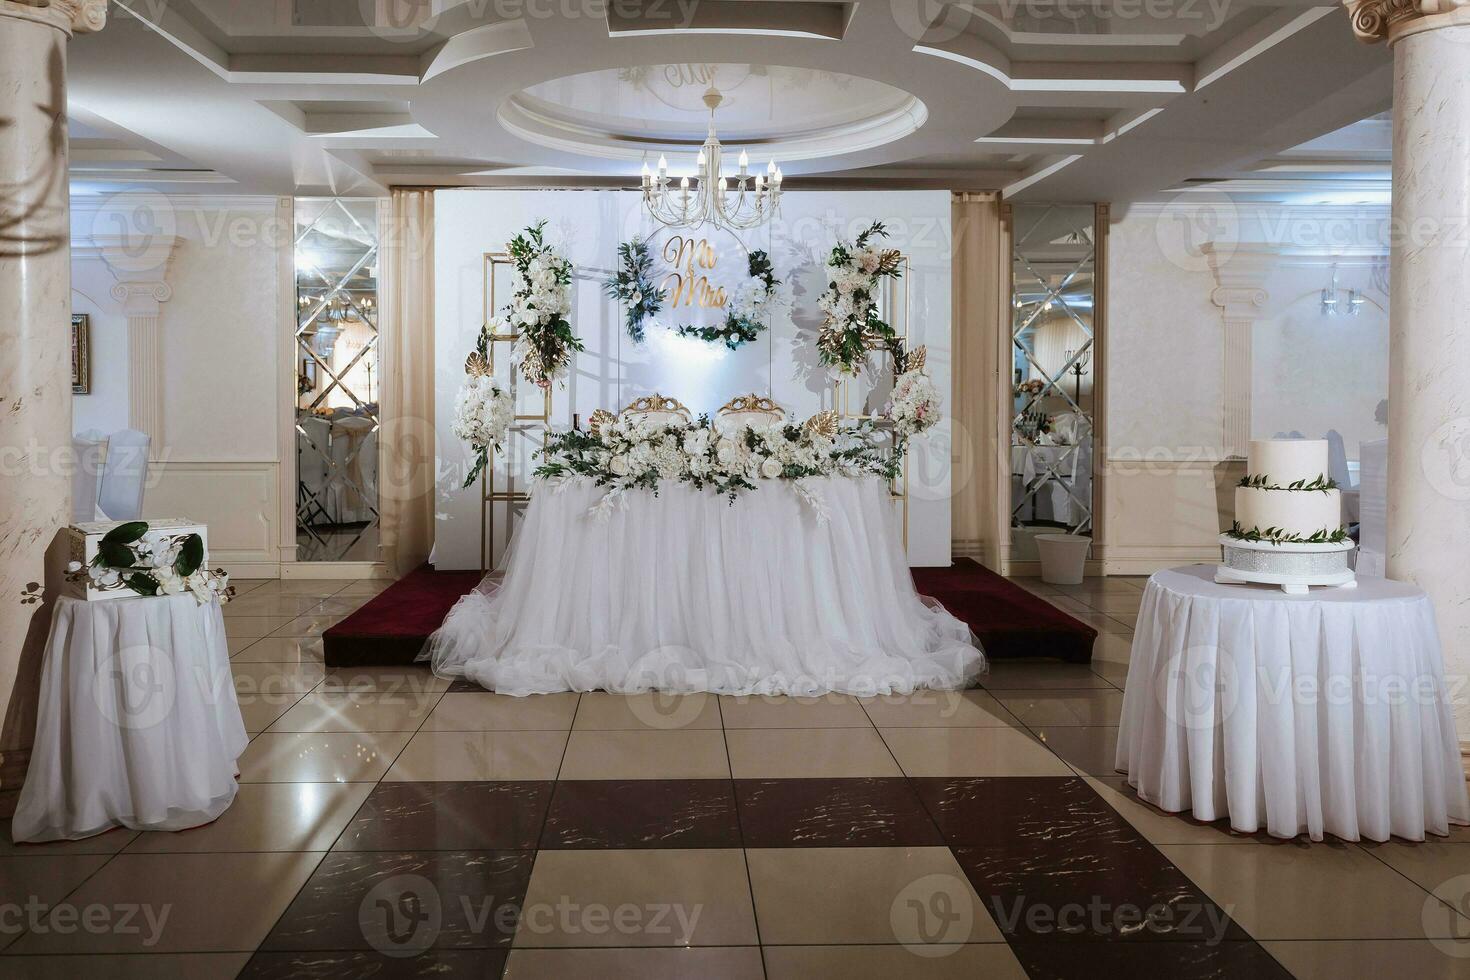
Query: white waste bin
<point x="1062" y="557"/>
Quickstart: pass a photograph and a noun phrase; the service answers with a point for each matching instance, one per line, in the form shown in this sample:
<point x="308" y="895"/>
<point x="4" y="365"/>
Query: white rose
<point x="74" y="566"/>
<point x="771" y="468"/>
<point x="618" y="465"/>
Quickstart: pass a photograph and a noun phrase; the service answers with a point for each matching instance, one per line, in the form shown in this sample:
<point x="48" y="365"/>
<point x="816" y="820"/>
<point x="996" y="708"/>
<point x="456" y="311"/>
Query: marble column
<point x="35" y="309"/>
<point x="141" y="267"/>
<point x="1429" y="323"/>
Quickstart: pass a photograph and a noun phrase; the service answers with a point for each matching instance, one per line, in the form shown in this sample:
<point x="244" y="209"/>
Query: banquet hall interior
<point x="732" y="489"/>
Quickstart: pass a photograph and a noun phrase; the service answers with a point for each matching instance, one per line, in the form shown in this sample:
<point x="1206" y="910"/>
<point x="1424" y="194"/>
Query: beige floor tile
<point x="39" y="881"/>
<point x="1441" y="868"/>
<point x="1070" y="604"/>
<point x="321" y="587"/>
<point x="311" y="624"/>
<point x="971" y="752"/>
<point x="1118" y="604"/>
<point x="270" y="604"/>
<point x="938" y="709"/>
<point x="1420" y="959"/>
<point x="268" y="817"/>
<point x="1091" y="751"/>
<point x="1100" y="586"/>
<point x="704" y="962"/>
<point x="994" y="961"/>
<point x="676" y="754"/>
<point x="407" y="679"/>
<point x="326" y="711"/>
<point x="667" y="886"/>
<point x="109" y="843"/>
<point x="1114" y="673"/>
<point x="244" y="586"/>
<point x="322" y="757"/>
<point x="1112" y="648"/>
<point x="367" y="587"/>
<point x="260" y="712"/>
<point x="1314" y="891"/>
<point x="213" y="902"/>
<point x="253" y="627"/>
<point x="1049" y="706"/>
<point x="459" y="756"/>
<point x="600" y="711"/>
<point x="127" y="966"/>
<point x="481" y="711"/>
<point x="273" y="679"/>
<point x="829" y="711"/>
<point x="1013" y="675"/>
<point x="238" y="643"/>
<point x="341" y="605"/>
<point x="287" y="650"/>
<point x="1160" y="827"/>
<point x="818" y="895"/>
<point x="790" y="753"/>
<point x="1118" y="623"/>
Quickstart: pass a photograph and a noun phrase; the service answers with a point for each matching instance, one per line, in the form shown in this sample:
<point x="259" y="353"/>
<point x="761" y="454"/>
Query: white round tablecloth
<point x="137" y="726"/>
<point x="1324" y="713"/>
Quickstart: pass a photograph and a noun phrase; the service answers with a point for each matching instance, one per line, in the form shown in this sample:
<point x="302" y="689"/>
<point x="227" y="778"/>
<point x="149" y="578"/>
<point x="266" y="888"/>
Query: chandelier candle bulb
<point x="647" y="177"/>
<point x="663" y="165"/>
<point x="744" y="164"/>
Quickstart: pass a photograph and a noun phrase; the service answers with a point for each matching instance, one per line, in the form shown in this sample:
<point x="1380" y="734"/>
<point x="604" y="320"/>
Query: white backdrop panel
<point x="781" y="363"/>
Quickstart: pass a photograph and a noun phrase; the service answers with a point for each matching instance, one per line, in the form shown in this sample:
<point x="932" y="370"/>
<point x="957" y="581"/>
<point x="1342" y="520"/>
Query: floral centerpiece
<point x="132" y="557"/>
<point x="851" y="323"/>
<point x="633" y="285"/>
<point x="630" y="454"/>
<point x="483" y="411"/>
<point x="540" y="302"/>
<point x="749" y="308"/>
<point x="915" y="400"/>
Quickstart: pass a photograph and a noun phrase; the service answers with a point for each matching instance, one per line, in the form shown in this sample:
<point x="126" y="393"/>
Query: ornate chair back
<point x="752" y="410"/>
<point x="656" y="408"/>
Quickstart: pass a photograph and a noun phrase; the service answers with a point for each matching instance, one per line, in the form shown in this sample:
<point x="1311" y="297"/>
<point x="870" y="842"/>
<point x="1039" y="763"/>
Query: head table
<point x="1320" y="713"/>
<point x="775" y="592"/>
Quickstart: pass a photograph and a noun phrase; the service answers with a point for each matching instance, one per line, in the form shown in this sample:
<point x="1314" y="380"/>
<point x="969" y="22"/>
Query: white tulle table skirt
<point x="686" y="591"/>
<point x="138" y="725"/>
<point x="1318" y="714"/>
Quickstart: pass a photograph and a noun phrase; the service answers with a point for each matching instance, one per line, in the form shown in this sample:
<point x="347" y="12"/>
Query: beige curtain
<point x="406" y="325"/>
<point x="981" y="378"/>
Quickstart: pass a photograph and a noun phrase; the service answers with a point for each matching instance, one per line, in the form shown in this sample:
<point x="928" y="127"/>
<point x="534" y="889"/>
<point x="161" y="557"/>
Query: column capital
<point x="1389" y="20"/>
<point x="68" y="16"/>
<point x="1241" y="274"/>
<point x="141" y="297"/>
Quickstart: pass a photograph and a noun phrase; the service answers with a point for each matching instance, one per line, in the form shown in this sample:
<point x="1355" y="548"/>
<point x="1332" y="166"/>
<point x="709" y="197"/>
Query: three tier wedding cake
<point x="1288" y="527"/>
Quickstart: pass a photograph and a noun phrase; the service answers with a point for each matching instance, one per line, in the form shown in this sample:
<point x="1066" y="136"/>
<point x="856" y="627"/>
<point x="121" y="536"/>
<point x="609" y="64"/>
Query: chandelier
<point x="738" y="201"/>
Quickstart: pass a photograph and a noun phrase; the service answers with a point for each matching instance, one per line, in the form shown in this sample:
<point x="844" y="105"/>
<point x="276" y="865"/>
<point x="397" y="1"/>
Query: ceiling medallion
<point x="741" y="201"/>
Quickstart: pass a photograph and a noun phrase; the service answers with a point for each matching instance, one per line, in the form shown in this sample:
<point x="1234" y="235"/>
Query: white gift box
<point x="84" y="541"/>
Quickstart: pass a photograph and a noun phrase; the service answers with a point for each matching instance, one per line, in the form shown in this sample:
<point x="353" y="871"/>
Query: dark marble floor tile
<point x="448" y="816"/>
<point x="480" y="963"/>
<point x="1050" y="859"/>
<point x="874" y="812"/>
<point x="1029" y="811"/>
<point x="1126" y="961"/>
<point x="405" y="901"/>
<point x="596" y="813"/>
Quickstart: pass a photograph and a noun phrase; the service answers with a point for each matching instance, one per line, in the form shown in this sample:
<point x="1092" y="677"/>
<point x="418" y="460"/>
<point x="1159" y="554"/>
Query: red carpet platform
<point x="1011" y="622"/>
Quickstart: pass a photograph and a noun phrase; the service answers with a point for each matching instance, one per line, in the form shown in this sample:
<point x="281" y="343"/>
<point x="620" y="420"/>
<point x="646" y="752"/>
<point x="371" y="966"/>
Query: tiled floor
<point x="390" y="823"/>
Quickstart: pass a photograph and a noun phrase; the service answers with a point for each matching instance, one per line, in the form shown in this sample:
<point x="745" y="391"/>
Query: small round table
<point x="138" y="725"/>
<point x="1322" y="713"/>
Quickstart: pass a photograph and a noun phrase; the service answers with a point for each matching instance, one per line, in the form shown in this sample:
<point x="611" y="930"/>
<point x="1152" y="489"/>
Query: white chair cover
<point x="737" y="421"/>
<point x="1372" y="507"/>
<point x="124" y="475"/>
<point x="1337" y="463"/>
<point x="87" y="453"/>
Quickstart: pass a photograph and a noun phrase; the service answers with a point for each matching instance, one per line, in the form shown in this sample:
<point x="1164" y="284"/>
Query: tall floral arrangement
<point x="851" y="323"/>
<point x="483" y="411"/>
<point x="540" y="302"/>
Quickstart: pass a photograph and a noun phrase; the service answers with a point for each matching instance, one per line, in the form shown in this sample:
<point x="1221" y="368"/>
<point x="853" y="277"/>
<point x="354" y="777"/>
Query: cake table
<point x="1317" y="714"/>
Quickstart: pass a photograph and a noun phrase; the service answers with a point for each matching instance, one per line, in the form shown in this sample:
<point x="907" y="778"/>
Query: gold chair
<point x="749" y="410"/>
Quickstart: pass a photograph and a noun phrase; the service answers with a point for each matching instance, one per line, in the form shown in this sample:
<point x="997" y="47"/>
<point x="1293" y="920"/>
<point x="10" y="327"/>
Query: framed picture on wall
<point x="81" y="359"/>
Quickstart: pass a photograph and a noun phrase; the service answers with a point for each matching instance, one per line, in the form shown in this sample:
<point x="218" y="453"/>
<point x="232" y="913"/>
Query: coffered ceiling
<point x="1044" y="99"/>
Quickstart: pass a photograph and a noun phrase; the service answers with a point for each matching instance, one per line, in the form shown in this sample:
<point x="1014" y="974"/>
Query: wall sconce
<point x="1332" y="305"/>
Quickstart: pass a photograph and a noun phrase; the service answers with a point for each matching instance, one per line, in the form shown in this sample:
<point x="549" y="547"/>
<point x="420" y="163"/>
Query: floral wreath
<point x="541" y="300"/>
<point x="633" y="284"/>
<point x="851" y="324"/>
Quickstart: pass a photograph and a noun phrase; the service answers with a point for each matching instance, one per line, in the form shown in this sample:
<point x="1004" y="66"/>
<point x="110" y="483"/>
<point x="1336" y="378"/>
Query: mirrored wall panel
<point x="1052" y="371"/>
<point x="337" y="381"/>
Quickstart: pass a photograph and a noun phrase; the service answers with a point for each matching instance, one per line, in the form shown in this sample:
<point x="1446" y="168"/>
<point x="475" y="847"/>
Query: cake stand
<point x="1294" y="567"/>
